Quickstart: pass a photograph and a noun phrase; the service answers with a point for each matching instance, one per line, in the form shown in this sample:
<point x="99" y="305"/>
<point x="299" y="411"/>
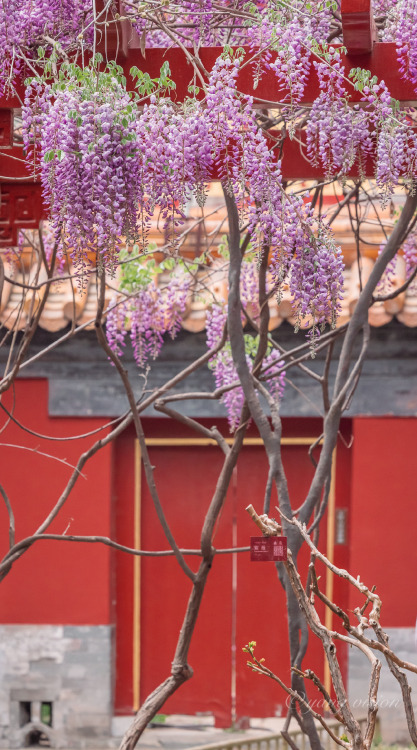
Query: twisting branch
<point x="341" y="709"/>
<point x="402" y="680"/>
<point x="181" y="671"/>
<point x="147" y="465"/>
<point x="258" y="666"/>
<point x="345" y="380"/>
<point x="12" y="527"/>
<point x="310" y="675"/>
<point x="213" y="433"/>
<point x="27" y="542"/>
<point x="396" y="292"/>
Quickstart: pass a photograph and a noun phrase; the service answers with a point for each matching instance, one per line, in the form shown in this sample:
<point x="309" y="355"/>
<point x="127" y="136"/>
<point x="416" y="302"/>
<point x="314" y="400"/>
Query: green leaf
<point x="168" y="264"/>
<point x="49" y="155"/>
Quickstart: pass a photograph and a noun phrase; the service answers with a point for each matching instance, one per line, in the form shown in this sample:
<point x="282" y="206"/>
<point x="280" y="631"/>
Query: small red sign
<point x="268" y="548"/>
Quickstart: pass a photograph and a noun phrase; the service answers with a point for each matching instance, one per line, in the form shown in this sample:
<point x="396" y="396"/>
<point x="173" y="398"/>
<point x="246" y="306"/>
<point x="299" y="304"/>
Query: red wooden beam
<point x="295" y="164"/>
<point x="359" y="30"/>
<point x="382" y="62"/>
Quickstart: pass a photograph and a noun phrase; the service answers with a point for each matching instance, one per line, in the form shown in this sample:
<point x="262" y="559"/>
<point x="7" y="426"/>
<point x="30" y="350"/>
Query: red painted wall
<point x="65" y="583"/>
<point x="186" y="478"/>
<point x="53" y="582"/>
<point x="383" y="544"/>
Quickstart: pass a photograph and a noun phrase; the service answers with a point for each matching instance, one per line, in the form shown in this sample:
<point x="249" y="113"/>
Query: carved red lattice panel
<point x="21" y="207"/>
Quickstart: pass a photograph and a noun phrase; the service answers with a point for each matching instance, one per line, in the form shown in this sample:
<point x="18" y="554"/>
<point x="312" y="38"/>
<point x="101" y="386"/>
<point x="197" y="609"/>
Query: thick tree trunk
<point x="272" y="441"/>
<point x="181" y="670"/>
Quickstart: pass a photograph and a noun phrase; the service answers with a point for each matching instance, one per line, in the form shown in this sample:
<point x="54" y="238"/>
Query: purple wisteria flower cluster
<point x="406" y="39"/>
<point x="85" y="134"/>
<point x="148" y="313"/>
<point x="105" y="166"/>
<point x="108" y="158"/>
<point x="410" y="256"/>
<point x="340" y="135"/>
<point x="337" y="134"/>
<point x="284" y="39"/>
<point x="224" y="371"/>
<point x="223" y="367"/>
<point x="27" y="25"/>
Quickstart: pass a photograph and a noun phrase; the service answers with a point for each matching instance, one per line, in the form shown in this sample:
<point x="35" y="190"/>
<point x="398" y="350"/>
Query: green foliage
<point x="136" y="272"/>
<point x="159" y="719"/>
<point x="145" y="85"/>
<point x="223" y="247"/>
<point x="362" y="78"/>
<point x="238" y="54"/>
<point x="330" y="4"/>
<point x="326" y="52"/>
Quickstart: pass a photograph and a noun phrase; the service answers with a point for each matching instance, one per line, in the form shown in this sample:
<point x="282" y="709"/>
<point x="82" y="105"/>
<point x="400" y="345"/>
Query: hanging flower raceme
<point x="281" y="40"/>
<point x="396" y="140"/>
<point x="85" y="128"/>
<point x="302" y="248"/>
<point x="29" y="25"/>
<point x="340" y="135"/>
<point x="249" y="289"/>
<point x="225" y="374"/>
<point x="316" y="275"/>
<point x="410" y="253"/>
<point x="150" y="311"/>
<point x="238" y="146"/>
<point x="225" y="120"/>
<point x="222" y="365"/>
<point x="337" y="134"/>
<point x="410" y="256"/>
<point x="116" y="328"/>
<point x="308" y="259"/>
<point x="174" y="161"/>
<point x="406" y="39"/>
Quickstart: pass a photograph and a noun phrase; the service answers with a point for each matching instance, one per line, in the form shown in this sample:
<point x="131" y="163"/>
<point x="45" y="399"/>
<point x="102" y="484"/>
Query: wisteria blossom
<point x="149" y="313"/>
<point x="111" y="154"/>
<point x="224" y="371"/>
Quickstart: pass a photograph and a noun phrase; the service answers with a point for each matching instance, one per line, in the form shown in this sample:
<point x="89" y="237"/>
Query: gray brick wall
<point x="391" y="712"/>
<point x="68" y="666"/>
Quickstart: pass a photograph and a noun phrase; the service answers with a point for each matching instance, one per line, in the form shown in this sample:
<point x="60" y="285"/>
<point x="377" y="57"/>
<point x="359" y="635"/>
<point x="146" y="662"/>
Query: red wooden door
<point x="243" y="600"/>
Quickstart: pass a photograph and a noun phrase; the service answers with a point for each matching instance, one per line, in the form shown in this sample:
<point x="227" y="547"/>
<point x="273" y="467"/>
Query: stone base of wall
<point x="393" y="725"/>
<point x="58" y="674"/>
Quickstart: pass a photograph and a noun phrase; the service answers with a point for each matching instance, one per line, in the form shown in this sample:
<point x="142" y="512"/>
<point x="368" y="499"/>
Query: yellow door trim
<point x="203" y="442"/>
